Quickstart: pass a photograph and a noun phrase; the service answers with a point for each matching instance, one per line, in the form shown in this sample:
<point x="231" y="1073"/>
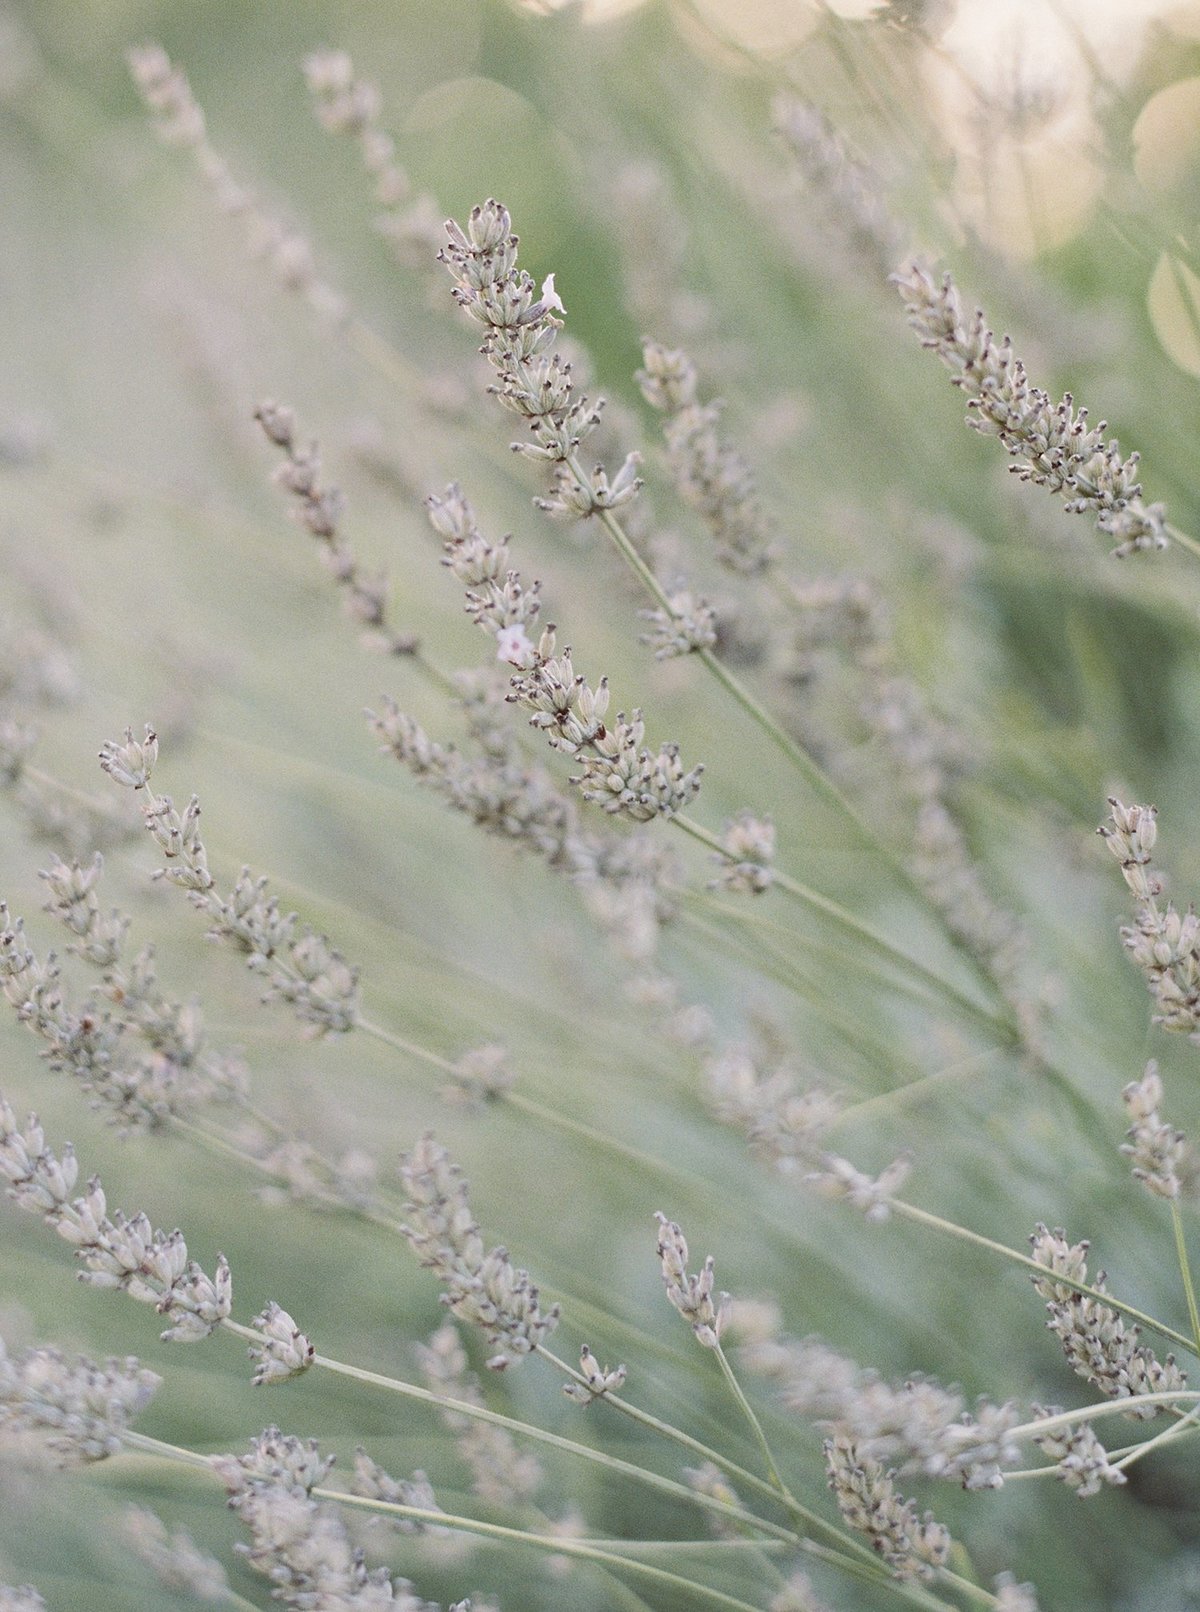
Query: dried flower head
<point x="501" y="1472"/>
<point x="151" y="1266"/>
<point x="1097" y="1342"/>
<point x="20" y="1598"/>
<point x="797" y="1595"/>
<point x="1080" y="1458"/>
<point x="300" y="966"/>
<point x="179" y="120"/>
<point x="84" y="1407"/>
<point x="848" y="192"/>
<point x="710" y="477"/>
<point x="1051" y="444"/>
<point x="284" y="1352"/>
<point x="708" y="1479"/>
<point x="175" y="1559"/>
<point x="785" y="1123"/>
<point x="482" y="1287"/>
<point x="597" y="1381"/>
<point x="1164" y="943"/>
<point x="1155" y="1148"/>
<point x="685" y="626"/>
<point x="532" y="382"/>
<point x="617" y="771"/>
<point x="348" y="105"/>
<point x="748" y="847"/>
<point x="838" y="1178"/>
<point x="916" y="1426"/>
<point x="318" y="508"/>
<point x="912" y="1546"/>
<point x="692" y="1296"/>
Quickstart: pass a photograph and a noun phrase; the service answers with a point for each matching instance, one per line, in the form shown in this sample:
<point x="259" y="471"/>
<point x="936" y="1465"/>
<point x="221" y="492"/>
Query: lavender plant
<point x="815" y="966"/>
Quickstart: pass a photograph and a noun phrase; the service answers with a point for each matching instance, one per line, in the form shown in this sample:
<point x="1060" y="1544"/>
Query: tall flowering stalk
<point x="146" y="1060"/>
<point x="912" y="1546"/>
<point x="521" y="328"/>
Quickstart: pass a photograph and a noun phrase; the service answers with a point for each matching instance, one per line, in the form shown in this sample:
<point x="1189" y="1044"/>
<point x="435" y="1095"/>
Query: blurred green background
<point x="143" y="534"/>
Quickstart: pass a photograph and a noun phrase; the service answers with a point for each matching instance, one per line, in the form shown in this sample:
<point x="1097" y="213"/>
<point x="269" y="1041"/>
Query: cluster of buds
<point x="151" y="1266"/>
<point x="532" y="381"/>
<point x="318" y="508"/>
<point x="617" y="771"/>
<point x="912" y="1546"/>
<point x="1098" y="1344"/>
<point x="284" y="1352"/>
<point x="84" y="1407"/>
<point x="1157" y="1150"/>
<point x="1163" y="942"/>
<point x="692" y="1296"/>
<point x="300" y="966"/>
<point x="596" y="1381"/>
<point x="747" y="852"/>
<point x="348" y="105"/>
<point x="1050" y="443"/>
<point x="711" y="477"/>
<point x="1080" y="1458"/>
<point x="482" y="1287"/>
<point x="179" y="121"/>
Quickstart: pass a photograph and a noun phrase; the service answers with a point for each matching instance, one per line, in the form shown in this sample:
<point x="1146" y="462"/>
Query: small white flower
<point x="513" y="645"/>
<point x="551" y="297"/>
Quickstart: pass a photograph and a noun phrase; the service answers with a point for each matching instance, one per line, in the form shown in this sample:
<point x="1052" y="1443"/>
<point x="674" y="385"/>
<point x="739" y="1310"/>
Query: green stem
<point x="814" y="774"/>
<point x="863" y="931"/>
<point x="1107" y="1407"/>
<point x="1185" y="1271"/>
<point x="583" y="1452"/>
<point x="1184" y="540"/>
<point x="767" y="958"/>
<point x="540" y="1111"/>
<point x="782" y="941"/>
<point x="735" y="1388"/>
<point x="1180" y="1429"/>
<point x="598" y="1551"/>
<point x="601" y="1552"/>
<point x="924" y="1218"/>
<point x="887" y="1102"/>
<point x="742" y="1475"/>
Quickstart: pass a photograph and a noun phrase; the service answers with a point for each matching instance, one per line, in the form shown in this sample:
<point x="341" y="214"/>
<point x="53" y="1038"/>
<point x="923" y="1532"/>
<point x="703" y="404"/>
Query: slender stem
<point x="604" y="1552"/>
<point x="1183" y="539"/>
<point x="750" y="1480"/>
<point x="767" y="958"/>
<point x="178" y="1453"/>
<point x="1187" y="1424"/>
<point x="583" y="1452"/>
<point x="915" y="1090"/>
<point x="1107" y="1407"/>
<point x="924" y="1218"/>
<point x="863" y="931"/>
<point x="813" y="773"/>
<point x="783" y="941"/>
<point x="735" y="1388"/>
<point x="1185" y="1271"/>
<point x="583" y="1550"/>
<point x="539" y="1111"/>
